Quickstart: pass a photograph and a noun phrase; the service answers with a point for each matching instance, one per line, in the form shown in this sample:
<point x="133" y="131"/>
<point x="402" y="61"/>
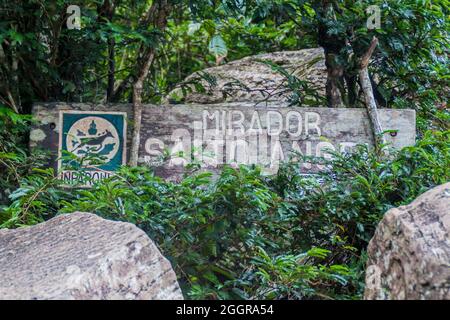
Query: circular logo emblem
<point x="94" y="137"/>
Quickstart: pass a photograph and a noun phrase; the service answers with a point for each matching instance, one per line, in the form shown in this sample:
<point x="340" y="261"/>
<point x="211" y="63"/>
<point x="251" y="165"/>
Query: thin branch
<point x="371" y="104"/>
<point x="366" y="57"/>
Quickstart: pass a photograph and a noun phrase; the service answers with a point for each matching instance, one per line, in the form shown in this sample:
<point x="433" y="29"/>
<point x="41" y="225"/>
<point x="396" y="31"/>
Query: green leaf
<point x="193" y="28"/>
<point x="217" y="46"/>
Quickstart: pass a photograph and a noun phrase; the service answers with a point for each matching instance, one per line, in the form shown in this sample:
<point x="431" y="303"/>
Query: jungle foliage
<point x="246" y="235"/>
<point x="242" y="235"/>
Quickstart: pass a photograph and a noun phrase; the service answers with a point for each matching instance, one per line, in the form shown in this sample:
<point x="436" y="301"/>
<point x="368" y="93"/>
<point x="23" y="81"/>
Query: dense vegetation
<point x="243" y="235"/>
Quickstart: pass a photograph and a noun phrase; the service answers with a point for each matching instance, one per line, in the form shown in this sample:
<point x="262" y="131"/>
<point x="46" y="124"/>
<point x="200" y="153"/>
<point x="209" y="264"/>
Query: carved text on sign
<point x="266" y="137"/>
<point x="173" y="136"/>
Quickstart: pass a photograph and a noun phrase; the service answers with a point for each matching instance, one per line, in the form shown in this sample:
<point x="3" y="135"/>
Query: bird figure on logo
<point x="93" y="142"/>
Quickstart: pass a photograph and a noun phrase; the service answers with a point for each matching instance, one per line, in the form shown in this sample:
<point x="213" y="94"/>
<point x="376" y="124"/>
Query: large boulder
<point x="409" y="255"/>
<point x="251" y="80"/>
<point x="82" y="256"/>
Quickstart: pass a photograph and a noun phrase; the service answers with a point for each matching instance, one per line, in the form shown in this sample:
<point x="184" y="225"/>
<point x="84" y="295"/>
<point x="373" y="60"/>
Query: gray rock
<point x="250" y="80"/>
<point x="409" y="255"/>
<point x="82" y="256"/>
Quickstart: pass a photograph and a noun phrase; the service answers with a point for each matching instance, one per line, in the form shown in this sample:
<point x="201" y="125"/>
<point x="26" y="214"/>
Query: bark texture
<point x="371" y="105"/>
<point x="157" y="18"/>
<point x="335" y="81"/>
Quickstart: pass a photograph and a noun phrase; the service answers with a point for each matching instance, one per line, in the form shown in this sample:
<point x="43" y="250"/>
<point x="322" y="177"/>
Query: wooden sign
<point x="174" y="136"/>
<point x="213" y="135"/>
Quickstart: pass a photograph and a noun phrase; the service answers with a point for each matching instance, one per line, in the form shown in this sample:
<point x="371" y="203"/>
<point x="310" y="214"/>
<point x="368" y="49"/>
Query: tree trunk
<point x="334" y="83"/>
<point x="105" y="14"/>
<point x="157" y="17"/>
<point x="371" y="104"/>
<point x="111" y="69"/>
<point x="351" y="80"/>
<point x="332" y="46"/>
<point x="137" y="107"/>
<point x="5" y="71"/>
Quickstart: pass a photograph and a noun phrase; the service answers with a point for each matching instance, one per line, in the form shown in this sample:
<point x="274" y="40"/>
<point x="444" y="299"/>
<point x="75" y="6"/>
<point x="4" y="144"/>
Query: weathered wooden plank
<point x="173" y="136"/>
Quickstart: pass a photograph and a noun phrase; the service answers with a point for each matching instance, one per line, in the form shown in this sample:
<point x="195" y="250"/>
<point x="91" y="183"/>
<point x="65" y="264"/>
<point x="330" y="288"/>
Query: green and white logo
<point x="92" y="144"/>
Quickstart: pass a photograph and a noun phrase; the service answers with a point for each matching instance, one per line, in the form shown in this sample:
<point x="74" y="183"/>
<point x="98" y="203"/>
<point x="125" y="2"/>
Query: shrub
<point x="246" y="235"/>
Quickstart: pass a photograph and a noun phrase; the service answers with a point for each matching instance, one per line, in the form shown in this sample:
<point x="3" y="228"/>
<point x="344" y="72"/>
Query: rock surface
<point x="82" y="256"/>
<point x="250" y="80"/>
<point x="409" y="255"/>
